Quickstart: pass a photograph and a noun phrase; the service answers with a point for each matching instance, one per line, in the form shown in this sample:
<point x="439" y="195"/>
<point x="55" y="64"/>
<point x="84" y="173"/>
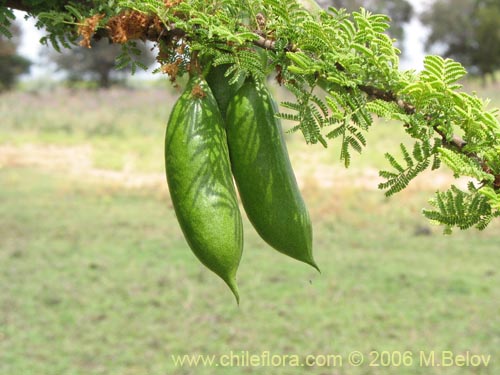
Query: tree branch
<point x="455" y="142"/>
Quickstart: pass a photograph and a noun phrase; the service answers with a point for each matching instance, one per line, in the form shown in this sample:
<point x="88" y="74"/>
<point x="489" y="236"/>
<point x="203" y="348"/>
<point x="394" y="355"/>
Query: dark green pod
<point x="264" y="175"/>
<point x="219" y="84"/>
<point x="200" y="181"/>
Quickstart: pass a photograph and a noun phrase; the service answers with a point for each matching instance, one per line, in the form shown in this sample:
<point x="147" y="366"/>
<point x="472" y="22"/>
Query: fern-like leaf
<point x="416" y="161"/>
<point x="6" y="18"/>
<point x="461" y="165"/>
<point x="456" y="208"/>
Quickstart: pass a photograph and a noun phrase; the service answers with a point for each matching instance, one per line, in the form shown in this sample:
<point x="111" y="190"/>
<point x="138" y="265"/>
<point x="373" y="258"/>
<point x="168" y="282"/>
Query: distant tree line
<point x="95" y="64"/>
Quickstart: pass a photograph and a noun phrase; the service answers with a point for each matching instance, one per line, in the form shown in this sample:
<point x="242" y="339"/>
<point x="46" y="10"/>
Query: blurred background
<point x="96" y="277"/>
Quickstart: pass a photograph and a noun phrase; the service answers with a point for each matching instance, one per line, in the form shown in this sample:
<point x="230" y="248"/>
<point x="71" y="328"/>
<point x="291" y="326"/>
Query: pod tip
<point x="231" y="283"/>
<point x="313" y="264"/>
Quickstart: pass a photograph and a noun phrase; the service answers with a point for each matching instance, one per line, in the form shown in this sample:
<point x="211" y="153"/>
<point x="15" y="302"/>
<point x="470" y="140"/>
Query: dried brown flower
<point x="128" y="25"/>
<point x="171" y="3"/>
<point x="87" y="28"/>
<point x="198" y="92"/>
<point x="172" y="69"/>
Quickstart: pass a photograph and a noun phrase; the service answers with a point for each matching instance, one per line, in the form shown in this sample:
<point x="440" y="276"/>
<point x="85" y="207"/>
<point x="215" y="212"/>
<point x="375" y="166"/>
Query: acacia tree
<point x="350" y="57"/>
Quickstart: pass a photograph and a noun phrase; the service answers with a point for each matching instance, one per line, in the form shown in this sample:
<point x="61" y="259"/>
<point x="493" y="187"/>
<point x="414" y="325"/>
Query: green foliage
<point x="435" y="89"/>
<point x="56" y="24"/>
<point x="400" y="11"/>
<point x="311" y="113"/>
<point x="129" y="58"/>
<point x="351" y="118"/>
<point x="6" y="18"/>
<point x="456" y="208"/>
<point x="461" y="165"/>
<point x="416" y="162"/>
<point x="242" y="63"/>
<point x="342" y="69"/>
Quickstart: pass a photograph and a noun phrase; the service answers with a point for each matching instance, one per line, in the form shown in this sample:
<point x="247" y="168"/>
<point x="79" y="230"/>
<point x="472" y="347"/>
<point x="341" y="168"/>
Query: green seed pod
<point x="200" y="181"/>
<point x="219" y="84"/>
<point x="264" y="175"/>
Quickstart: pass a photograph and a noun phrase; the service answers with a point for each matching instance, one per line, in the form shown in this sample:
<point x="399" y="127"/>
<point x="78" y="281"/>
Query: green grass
<point x="126" y="125"/>
<point x="120" y="125"/>
<point x="99" y="280"/>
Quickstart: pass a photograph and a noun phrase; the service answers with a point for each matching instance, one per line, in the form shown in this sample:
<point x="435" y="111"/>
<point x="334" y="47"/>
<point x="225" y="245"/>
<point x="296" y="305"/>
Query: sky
<point x="413" y="59"/>
<point x="30" y="44"/>
<point x="415" y="34"/>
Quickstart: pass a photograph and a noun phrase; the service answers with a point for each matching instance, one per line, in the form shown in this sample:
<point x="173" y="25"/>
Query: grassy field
<point x="96" y="277"/>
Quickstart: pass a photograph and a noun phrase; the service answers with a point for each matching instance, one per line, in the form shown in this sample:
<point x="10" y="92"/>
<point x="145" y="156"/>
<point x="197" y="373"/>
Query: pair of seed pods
<point x="217" y="131"/>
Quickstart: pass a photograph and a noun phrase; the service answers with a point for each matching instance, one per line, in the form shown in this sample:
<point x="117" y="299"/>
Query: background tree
<point x="12" y="65"/>
<point x="400" y="11"/>
<point x="468" y="31"/>
<point x="97" y="63"/>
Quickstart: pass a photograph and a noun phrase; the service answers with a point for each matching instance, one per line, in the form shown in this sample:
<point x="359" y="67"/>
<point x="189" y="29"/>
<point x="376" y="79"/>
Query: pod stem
<point x="194" y="65"/>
